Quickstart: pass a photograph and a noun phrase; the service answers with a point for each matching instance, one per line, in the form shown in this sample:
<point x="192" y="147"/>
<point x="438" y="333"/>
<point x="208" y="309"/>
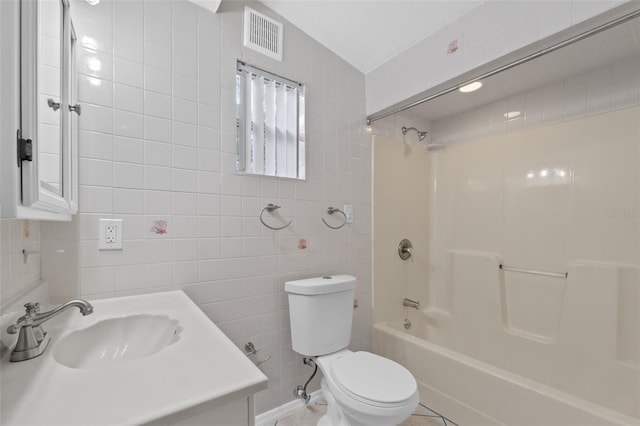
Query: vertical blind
<point x="270" y="124"/>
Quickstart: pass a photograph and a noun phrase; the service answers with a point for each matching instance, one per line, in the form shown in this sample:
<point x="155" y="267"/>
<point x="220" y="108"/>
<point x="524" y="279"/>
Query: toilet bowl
<point x="361" y="388"/>
<point x="364" y="389"/>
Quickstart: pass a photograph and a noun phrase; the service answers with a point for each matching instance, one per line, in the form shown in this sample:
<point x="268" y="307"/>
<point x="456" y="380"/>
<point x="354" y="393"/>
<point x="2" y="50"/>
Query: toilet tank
<point x="321" y="313"/>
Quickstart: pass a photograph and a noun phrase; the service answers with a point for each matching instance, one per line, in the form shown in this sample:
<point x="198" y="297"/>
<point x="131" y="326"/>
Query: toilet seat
<point x="373" y="380"/>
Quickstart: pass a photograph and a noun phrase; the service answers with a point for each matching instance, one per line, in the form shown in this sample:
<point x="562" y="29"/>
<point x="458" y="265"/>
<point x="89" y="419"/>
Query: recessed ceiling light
<point x="471" y="87"/>
<point x="512" y="114"/>
<point x="93" y="2"/>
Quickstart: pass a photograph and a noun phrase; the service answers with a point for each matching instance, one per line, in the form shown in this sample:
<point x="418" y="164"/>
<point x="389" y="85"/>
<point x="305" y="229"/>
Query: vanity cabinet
<point x="230" y="410"/>
<point x="39" y="112"/>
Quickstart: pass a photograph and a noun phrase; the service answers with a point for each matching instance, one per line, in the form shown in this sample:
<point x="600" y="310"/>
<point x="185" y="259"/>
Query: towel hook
<point x="270" y="208"/>
<point x="332" y="210"/>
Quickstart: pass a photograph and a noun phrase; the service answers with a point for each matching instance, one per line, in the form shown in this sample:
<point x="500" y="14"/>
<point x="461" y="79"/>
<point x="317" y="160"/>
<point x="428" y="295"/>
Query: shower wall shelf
<point x="535" y="272"/>
<point x="271" y="208"/>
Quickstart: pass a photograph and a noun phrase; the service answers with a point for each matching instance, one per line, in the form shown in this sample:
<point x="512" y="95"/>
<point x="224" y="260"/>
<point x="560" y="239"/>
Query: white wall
<point x="17" y="275"/>
<point x="157" y="142"/>
<point x="488" y="32"/>
<point x="17" y="272"/>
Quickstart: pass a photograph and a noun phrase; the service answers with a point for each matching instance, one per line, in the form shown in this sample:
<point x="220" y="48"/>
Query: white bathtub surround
<point x="561" y="198"/>
<point x="199" y="375"/>
<point x="472" y="392"/>
<point x="545" y="199"/>
<point x="157" y="149"/>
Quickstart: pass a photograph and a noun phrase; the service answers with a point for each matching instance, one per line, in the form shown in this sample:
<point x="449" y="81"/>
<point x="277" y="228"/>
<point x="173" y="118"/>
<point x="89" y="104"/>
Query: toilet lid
<point x="373" y="377"/>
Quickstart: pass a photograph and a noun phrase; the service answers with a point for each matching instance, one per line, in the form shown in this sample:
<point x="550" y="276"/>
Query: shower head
<point x="421" y="135"/>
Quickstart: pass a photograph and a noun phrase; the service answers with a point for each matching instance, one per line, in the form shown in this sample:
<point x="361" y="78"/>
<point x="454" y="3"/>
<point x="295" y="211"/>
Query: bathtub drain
<point x="406" y="323"/>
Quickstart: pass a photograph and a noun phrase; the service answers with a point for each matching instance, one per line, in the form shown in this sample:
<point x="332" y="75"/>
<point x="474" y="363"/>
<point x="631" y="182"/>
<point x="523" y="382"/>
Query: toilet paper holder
<point x="250" y="349"/>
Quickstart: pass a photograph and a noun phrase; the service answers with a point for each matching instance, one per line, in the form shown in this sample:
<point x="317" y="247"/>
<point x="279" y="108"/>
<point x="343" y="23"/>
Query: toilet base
<point x="324" y="421"/>
<point x="333" y="416"/>
<point x="339" y="417"/>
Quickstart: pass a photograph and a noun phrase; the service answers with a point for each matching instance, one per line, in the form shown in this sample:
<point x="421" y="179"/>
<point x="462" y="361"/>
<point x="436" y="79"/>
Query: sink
<point x="155" y="358"/>
<point x="116" y="340"/>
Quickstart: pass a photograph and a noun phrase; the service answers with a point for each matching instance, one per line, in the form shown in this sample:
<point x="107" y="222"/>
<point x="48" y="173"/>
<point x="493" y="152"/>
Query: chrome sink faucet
<point x="32" y="338"/>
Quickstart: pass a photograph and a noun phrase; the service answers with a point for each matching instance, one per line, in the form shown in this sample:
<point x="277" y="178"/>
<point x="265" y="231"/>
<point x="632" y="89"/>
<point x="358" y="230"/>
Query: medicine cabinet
<point x="44" y="151"/>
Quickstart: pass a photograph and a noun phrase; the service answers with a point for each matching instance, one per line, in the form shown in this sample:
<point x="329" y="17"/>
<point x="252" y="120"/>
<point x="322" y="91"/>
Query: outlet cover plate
<point x="110" y="234"/>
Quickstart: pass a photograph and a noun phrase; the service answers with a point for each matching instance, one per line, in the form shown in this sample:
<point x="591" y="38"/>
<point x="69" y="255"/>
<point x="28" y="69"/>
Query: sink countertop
<point x="201" y="366"/>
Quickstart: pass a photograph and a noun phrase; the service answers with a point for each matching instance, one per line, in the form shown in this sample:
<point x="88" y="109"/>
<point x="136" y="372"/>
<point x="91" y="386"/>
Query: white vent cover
<point x="262" y="34"/>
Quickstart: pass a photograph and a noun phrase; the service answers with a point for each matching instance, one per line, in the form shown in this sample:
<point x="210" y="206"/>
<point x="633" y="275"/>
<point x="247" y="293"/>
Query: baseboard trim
<point x="268" y="418"/>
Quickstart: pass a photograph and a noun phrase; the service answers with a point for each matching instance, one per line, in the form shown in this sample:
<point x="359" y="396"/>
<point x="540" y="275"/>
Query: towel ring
<point x="270" y="208"/>
<point x="332" y="210"/>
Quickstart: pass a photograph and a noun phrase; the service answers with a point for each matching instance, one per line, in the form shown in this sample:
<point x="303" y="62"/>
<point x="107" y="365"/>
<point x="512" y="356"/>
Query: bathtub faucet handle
<point x="404" y="250"/>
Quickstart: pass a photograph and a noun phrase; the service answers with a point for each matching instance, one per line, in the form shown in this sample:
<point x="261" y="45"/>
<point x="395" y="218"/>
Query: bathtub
<point x="473" y="393"/>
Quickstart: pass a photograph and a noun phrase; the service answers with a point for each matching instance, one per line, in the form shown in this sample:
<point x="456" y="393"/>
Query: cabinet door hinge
<point x="25" y="149"/>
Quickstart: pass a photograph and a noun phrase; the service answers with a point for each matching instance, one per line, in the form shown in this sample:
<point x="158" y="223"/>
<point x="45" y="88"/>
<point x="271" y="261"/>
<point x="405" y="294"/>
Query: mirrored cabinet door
<point x="48" y="106"/>
<point x="49" y="82"/>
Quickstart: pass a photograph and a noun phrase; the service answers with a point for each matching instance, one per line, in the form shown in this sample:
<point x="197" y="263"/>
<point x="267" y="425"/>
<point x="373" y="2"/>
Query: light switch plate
<point x="348" y="212"/>
<point x="110" y="234"/>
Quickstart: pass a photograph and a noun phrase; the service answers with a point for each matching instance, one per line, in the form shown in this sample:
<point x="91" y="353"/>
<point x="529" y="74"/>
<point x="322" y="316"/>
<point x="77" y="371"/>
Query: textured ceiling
<point x="367" y="33"/>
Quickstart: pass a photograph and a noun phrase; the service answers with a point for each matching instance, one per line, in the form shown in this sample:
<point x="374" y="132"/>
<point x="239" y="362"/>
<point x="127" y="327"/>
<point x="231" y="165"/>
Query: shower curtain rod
<point x="581" y="36"/>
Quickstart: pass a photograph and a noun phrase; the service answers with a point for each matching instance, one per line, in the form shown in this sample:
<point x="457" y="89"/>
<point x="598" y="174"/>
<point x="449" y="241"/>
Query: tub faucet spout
<point x="411" y="303"/>
<point x="32" y="338"/>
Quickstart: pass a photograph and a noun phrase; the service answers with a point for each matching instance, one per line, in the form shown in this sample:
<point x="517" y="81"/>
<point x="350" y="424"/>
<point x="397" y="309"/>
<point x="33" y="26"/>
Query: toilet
<point x="361" y="388"/>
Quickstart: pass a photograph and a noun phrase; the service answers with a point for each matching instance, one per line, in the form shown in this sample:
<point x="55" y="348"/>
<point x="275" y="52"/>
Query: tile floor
<point x="422" y="416"/>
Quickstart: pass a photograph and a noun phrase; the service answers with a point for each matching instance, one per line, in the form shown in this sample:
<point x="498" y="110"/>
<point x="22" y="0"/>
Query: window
<point x="270" y="124"/>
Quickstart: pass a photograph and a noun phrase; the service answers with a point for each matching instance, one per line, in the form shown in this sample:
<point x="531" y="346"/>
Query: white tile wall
<point x="485" y="33"/>
<point x="157" y="143"/>
<point x="17" y="273"/>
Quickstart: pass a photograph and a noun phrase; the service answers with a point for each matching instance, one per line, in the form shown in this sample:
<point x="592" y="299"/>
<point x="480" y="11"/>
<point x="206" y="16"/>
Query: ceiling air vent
<point x="262" y="34"/>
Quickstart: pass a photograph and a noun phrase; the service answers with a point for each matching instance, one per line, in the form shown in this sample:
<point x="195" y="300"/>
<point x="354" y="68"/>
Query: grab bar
<point x="535" y="272"/>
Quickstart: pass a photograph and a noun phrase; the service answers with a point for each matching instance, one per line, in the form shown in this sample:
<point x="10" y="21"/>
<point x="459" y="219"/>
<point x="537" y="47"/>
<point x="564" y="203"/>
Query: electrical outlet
<point x="110" y="234"/>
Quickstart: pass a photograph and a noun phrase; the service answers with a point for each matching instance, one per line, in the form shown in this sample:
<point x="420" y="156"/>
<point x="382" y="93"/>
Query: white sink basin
<point x="116" y="340"/>
<point x="128" y="354"/>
